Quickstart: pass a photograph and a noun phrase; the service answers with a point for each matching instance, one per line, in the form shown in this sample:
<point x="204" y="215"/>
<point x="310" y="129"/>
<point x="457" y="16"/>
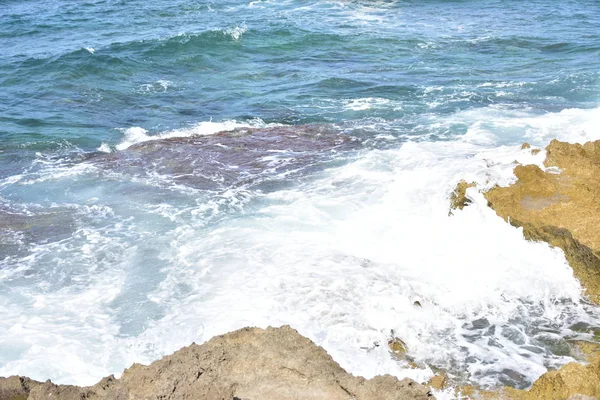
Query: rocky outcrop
<point x="572" y="381"/>
<point x="458" y="198"/>
<point x="560" y="206"/>
<point x="251" y="363"/>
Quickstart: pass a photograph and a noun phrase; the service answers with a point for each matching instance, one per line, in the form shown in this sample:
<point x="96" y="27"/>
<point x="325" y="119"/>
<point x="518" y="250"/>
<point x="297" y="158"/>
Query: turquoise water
<point x="167" y="66"/>
<point x="130" y="226"/>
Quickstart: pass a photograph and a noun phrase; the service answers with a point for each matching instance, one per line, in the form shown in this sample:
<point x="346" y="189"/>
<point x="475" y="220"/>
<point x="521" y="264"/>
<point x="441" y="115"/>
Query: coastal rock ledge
<point x="248" y="364"/>
<point x="560" y="206"/>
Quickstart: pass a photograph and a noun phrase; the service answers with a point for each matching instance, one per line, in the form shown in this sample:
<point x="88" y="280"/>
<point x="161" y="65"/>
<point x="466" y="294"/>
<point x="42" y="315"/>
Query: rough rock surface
<point x="560" y="206"/>
<point x="458" y="198"/>
<point x="572" y="381"/>
<point x="251" y="363"/>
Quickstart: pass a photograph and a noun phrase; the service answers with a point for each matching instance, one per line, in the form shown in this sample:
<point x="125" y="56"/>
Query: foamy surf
<point x="160" y="86"/>
<point x="365" y="103"/>
<point x="496" y="124"/>
<point x="136" y="134"/>
<point x="121" y="246"/>
<point x="104" y="148"/>
<point x="236" y="32"/>
<point x="342" y="255"/>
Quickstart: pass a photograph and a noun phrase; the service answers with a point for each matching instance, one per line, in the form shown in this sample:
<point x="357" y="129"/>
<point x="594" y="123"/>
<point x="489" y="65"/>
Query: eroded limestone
<point x="251" y="363"/>
<point x="560" y="206"/>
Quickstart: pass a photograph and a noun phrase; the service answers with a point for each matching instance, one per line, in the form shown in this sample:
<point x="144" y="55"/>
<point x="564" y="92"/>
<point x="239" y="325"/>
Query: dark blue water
<point x="105" y="233"/>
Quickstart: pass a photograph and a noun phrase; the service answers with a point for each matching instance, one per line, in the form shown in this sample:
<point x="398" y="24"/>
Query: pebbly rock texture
<point x="560" y="207"/>
<point x="251" y="363"/>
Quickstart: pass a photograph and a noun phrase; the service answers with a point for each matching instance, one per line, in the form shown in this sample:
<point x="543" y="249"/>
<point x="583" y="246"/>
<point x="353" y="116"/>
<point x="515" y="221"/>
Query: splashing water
<point x="271" y="163"/>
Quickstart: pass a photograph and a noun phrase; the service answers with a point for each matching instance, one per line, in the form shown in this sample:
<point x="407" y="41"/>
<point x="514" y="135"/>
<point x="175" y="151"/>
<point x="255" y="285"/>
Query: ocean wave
<point x="372" y="234"/>
<point x="104" y="148"/>
<point x="505" y="125"/>
<point x="236" y="32"/>
<point x="337" y="227"/>
<point x="365" y="103"/>
<point x="160" y="45"/>
<point x="135" y="135"/>
<point x="159" y="86"/>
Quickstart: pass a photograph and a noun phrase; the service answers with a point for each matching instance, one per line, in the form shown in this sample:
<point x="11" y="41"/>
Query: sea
<point x="172" y="171"/>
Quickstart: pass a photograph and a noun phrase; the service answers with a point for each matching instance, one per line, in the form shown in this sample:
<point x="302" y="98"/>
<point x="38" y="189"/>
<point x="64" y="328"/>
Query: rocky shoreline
<point x="251" y="363"/>
<point x="559" y="204"/>
<point x="279" y="363"/>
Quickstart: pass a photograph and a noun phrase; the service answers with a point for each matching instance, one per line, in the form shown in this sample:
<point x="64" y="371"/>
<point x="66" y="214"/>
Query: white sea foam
<point x="361" y="244"/>
<point x="91" y="50"/>
<point x="104" y="148"/>
<point x="365" y="103"/>
<point x="505" y="84"/>
<point x="10" y="180"/>
<point x="55" y="171"/>
<point x="137" y="134"/>
<point x="236" y="32"/>
<point x="133" y="136"/>
<point x="342" y="257"/>
<point x="427" y="45"/>
<point x="160" y="85"/>
<point x="506" y="125"/>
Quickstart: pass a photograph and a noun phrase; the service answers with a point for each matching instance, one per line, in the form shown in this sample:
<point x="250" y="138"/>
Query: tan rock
<point x="458" y="198"/>
<point x="572" y="381"/>
<point x="397" y="346"/>
<point x="472" y="392"/>
<point x="16" y="387"/>
<point x="438" y="382"/>
<point x="251" y="363"/>
<point x="562" y="209"/>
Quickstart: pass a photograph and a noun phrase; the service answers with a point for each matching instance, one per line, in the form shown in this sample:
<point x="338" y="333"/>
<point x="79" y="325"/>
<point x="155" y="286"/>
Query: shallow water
<point x="169" y="172"/>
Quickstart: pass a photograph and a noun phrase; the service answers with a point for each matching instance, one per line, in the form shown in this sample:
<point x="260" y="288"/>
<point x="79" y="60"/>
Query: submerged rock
<point x="249" y="157"/>
<point x="23" y="226"/>
<point x="560" y="206"/>
<point x="251" y="363"/>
